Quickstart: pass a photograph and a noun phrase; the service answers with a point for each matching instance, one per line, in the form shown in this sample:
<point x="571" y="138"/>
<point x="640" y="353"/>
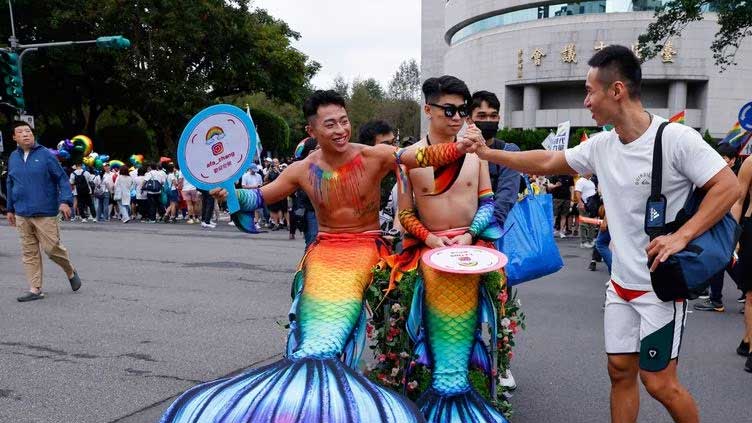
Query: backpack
<point x="99" y="188"/>
<point x="81" y="184"/>
<point x="152" y="186"/>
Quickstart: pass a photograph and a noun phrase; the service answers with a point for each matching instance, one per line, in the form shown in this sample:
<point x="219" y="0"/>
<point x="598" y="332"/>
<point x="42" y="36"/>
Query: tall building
<point x="534" y="54"/>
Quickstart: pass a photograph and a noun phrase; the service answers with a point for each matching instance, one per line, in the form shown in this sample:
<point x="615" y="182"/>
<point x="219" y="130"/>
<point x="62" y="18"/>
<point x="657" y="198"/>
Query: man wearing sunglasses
<point x="445" y="206"/>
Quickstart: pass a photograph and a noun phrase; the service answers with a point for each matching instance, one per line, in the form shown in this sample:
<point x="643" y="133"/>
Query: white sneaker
<point x="561" y="235"/>
<point x="206" y="225"/>
<point x="231" y="223"/>
<point x="507" y="380"/>
<point x="189" y="221"/>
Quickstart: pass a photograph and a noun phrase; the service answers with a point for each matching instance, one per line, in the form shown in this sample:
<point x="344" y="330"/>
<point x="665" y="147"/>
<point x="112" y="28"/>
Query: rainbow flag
<point x="734" y="134"/>
<point x="584" y="137"/>
<point x="679" y="117"/>
<point x="259" y="147"/>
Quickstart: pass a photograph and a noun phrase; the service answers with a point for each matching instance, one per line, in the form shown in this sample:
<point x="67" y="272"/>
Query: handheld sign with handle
<point x="216" y="147"/>
<point x="465" y="259"/>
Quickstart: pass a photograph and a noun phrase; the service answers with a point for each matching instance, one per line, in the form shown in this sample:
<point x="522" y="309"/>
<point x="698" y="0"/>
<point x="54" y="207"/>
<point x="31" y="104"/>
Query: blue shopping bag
<point x="528" y="241"/>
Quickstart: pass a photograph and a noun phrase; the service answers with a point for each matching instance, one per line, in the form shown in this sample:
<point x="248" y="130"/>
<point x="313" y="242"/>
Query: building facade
<point x="533" y="55"/>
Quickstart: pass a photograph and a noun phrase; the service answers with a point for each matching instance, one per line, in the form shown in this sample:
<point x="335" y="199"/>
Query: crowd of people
<point x="440" y="196"/>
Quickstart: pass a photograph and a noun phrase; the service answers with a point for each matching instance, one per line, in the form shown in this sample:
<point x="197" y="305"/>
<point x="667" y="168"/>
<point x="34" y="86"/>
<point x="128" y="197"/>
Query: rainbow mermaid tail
<point x="317" y="381"/>
<point x="444" y="322"/>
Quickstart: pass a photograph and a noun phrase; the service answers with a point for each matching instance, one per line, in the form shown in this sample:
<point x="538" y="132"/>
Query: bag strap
<point x="657" y="173"/>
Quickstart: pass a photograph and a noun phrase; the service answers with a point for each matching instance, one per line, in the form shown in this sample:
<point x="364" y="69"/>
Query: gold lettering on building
<point x="637" y="51"/>
<point x="537" y="56"/>
<point x="668" y="52"/>
<point x="600" y="46"/>
<point x="569" y="54"/>
<point x="520" y="60"/>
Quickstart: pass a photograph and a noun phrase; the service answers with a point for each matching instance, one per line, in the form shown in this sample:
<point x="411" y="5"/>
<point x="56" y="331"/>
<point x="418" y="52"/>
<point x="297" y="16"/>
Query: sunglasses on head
<point x="450" y="109"/>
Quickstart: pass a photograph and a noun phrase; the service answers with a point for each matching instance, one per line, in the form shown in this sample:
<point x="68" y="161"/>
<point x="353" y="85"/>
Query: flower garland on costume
<point x="391" y="346"/>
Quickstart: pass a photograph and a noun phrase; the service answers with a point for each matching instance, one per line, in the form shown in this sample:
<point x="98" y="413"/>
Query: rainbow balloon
<point x="299" y="149"/>
<point x="116" y="164"/>
<point x="83" y="144"/>
<point x="137" y="160"/>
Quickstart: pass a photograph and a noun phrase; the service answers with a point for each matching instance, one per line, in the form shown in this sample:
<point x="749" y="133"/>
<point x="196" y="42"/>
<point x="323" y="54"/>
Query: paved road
<point x="164" y="307"/>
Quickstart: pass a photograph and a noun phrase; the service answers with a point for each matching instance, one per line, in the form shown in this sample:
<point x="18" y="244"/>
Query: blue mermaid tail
<point x="308" y="390"/>
<point x="312" y="384"/>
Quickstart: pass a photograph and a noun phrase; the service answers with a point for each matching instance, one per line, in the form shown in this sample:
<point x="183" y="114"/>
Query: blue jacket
<point x="38" y="186"/>
<point x="505" y="183"/>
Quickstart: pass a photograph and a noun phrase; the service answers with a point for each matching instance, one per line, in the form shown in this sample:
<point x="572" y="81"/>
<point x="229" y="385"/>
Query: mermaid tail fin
<point x="356" y="342"/>
<point x="479" y="356"/>
<point x="244" y="222"/>
<point x="467" y="407"/>
<point x="307" y="390"/>
<point x="415" y="328"/>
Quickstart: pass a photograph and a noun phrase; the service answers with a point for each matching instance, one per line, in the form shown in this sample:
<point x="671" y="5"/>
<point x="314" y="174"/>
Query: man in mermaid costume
<point x="318" y="381"/>
<point x="452" y="205"/>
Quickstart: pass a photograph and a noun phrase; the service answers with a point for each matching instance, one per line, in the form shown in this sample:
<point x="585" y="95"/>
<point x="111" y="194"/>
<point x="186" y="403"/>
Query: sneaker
<point x="30" y="296"/>
<point x="507" y="380"/>
<point x="561" y="235"/>
<point x="742" y="299"/>
<point x="231" y="223"/>
<point x="708" y="305"/>
<point x="152" y="221"/>
<point x="705" y="294"/>
<point x="589" y="244"/>
<point x="94" y="220"/>
<point x="189" y="221"/>
<point x="556" y="233"/>
<point x="75" y="281"/>
<point x="205" y="225"/>
<point x="743" y="349"/>
<point x="592" y="266"/>
<point x="748" y="364"/>
<point x="258" y="228"/>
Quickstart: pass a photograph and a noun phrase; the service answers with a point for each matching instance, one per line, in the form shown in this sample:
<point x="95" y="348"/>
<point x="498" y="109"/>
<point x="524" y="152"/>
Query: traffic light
<point x="12" y="86"/>
<point x="115" y="41"/>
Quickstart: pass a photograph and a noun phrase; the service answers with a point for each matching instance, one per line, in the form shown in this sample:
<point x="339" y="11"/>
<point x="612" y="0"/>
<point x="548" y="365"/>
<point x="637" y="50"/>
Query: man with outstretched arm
<point x="327" y="328"/>
<point x="643" y="333"/>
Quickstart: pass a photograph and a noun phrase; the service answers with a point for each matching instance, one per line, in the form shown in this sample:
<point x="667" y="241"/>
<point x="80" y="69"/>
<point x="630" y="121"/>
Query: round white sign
<point x="217" y="148"/>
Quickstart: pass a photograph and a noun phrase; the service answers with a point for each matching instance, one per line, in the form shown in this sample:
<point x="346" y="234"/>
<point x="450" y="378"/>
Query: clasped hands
<point x="434" y="241"/>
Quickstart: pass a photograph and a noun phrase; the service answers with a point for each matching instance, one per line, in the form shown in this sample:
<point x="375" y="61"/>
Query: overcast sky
<point x="351" y="37"/>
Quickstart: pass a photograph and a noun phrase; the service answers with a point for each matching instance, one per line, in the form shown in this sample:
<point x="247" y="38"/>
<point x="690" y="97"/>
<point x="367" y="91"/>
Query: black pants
<point x="84" y="202"/>
<point x="207" y="207"/>
<point x="716" y="287"/>
<point x="152" y="202"/>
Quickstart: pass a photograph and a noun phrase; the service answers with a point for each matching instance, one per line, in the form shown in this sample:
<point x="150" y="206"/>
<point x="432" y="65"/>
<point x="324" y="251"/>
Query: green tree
<point x="734" y="21"/>
<point x="402" y="115"/>
<point x="341" y="86"/>
<point x="273" y="131"/>
<point x="184" y="55"/>
<point x="363" y="103"/>
<point x="405" y="84"/>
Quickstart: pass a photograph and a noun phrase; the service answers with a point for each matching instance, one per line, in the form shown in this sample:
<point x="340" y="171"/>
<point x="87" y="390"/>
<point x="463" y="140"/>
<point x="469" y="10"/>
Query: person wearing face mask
<point x="505" y="182"/>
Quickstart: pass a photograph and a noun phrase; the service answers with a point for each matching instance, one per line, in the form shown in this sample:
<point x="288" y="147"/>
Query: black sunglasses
<point x="450" y="110"/>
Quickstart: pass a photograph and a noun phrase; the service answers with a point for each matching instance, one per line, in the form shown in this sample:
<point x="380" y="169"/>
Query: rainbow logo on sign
<point x="213" y="137"/>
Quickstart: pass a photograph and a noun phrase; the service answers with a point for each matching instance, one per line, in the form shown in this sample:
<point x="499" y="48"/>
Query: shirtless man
<point x="327" y="317"/>
<point x="745" y="256"/>
<point x="442" y="206"/>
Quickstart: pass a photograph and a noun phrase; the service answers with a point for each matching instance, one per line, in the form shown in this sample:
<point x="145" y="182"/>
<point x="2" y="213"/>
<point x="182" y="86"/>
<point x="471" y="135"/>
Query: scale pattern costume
<point x="318" y="380"/>
<point x="445" y="321"/>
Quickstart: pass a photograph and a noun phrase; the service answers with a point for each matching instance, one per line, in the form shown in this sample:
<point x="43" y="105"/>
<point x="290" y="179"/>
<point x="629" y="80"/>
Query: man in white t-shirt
<point x="642" y="333"/>
<point x="584" y="190"/>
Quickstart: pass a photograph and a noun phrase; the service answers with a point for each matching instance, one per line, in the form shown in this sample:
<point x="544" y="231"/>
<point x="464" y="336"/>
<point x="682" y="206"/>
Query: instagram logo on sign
<point x="213" y="137"/>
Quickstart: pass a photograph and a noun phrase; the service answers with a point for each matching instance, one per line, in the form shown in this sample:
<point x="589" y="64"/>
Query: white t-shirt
<point x="139" y="181"/>
<point x="586" y="187"/>
<point x="251" y="180"/>
<point x="624" y="172"/>
<point x="187" y="186"/>
<point x="88" y="176"/>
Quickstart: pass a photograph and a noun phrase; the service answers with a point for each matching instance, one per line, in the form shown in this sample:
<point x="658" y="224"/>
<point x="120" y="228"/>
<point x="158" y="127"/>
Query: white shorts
<point x="639" y="322"/>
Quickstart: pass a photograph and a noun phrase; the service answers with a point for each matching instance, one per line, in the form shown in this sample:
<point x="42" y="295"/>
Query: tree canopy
<point x="734" y="21"/>
<point x="184" y="55"/>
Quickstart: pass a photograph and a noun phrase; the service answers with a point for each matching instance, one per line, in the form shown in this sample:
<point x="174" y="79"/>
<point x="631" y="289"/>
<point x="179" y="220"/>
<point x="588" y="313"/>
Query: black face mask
<point x="489" y="129"/>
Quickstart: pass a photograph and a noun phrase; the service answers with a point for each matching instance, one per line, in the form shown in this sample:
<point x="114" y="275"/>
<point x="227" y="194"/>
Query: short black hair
<point x="727" y="150"/>
<point x="433" y="88"/>
<point x="487" y="96"/>
<point x="619" y="63"/>
<point x="321" y="98"/>
<point x="19" y="123"/>
<point x="369" y="130"/>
